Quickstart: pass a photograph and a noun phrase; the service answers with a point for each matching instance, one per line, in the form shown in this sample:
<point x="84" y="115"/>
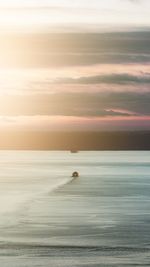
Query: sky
<point x="75" y="65"/>
<point x="74" y="15"/>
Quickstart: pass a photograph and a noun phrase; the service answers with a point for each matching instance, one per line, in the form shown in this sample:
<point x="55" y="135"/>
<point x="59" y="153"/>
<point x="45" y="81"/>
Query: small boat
<point x="75" y="174"/>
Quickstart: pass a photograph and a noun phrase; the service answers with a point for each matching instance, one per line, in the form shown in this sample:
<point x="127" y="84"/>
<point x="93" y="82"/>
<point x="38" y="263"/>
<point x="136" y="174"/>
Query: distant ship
<point x="74" y="151"/>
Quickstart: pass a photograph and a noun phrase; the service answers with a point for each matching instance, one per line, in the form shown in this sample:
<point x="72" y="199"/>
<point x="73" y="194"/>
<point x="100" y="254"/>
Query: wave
<point x="62" y="183"/>
<point x="105" y="164"/>
<point x="72" y="248"/>
<point x="15" y="203"/>
<point x="50" y="187"/>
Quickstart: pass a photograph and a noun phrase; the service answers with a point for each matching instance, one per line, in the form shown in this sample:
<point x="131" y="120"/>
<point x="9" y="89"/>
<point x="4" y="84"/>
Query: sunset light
<point x="74" y="133"/>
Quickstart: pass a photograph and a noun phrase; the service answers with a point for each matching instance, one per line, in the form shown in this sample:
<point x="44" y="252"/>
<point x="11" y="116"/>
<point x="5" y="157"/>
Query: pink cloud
<point x="30" y="81"/>
<point x="63" y="123"/>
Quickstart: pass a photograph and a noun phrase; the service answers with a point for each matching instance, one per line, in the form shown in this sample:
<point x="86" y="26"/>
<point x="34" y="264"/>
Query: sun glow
<point x="12" y="20"/>
<point x="22" y="3"/>
<point x="31" y="14"/>
<point x="25" y="14"/>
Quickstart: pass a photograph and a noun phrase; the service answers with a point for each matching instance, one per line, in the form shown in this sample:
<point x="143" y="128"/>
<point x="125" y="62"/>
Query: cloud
<point x="135" y="1"/>
<point x="102" y="104"/>
<point x="50" y="50"/>
<point x="109" y="79"/>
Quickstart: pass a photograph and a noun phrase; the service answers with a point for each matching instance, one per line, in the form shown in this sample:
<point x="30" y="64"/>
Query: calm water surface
<point x="101" y="218"/>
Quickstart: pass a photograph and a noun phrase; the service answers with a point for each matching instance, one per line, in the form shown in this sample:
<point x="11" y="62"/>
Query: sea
<point x="50" y="219"/>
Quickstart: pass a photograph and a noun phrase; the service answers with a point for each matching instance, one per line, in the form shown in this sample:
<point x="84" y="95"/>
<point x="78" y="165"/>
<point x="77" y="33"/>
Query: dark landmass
<point x="138" y="140"/>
